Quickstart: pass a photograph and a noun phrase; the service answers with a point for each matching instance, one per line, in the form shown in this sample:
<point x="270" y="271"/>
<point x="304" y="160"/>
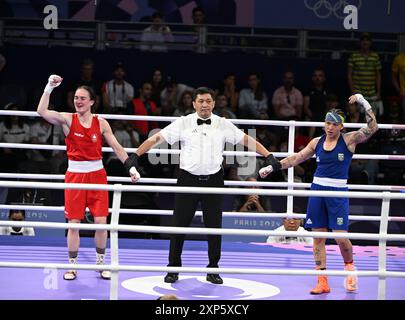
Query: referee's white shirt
<point x="202" y="146"/>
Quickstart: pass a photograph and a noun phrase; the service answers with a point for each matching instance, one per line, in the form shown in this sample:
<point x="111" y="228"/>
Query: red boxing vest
<point x="84" y="144"/>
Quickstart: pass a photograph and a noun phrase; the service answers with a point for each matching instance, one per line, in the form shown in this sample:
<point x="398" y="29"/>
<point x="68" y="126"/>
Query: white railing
<point x="382" y="237"/>
<point x="208" y="37"/>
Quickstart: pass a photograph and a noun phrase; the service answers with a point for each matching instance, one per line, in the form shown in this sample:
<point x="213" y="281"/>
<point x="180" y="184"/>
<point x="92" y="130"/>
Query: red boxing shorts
<point x="76" y="201"/>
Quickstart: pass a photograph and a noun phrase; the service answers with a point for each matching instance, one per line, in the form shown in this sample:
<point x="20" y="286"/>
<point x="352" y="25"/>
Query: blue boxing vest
<point x="332" y="164"/>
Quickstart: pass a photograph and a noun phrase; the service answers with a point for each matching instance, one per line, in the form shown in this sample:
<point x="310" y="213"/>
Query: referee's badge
<point x="339" y="221"/>
<point x="341" y="156"/>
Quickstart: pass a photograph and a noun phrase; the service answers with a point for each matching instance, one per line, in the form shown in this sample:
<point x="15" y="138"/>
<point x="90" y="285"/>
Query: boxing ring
<point x="32" y="268"/>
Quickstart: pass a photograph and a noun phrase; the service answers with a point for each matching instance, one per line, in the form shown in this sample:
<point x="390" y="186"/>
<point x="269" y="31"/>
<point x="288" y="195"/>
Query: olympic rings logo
<point x="324" y="8"/>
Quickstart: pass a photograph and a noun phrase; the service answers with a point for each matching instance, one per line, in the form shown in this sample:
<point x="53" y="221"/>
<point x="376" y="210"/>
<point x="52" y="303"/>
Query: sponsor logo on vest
<point x="341" y="156"/>
<point x="94" y="137"/>
<point x="79" y="135"/>
<point x="317" y="159"/>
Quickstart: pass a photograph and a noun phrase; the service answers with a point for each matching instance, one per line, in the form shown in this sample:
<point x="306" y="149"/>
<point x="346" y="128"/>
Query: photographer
<point x="252" y="203"/>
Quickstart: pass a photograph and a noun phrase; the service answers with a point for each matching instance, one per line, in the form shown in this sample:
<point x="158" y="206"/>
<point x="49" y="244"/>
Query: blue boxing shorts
<point x="325" y="212"/>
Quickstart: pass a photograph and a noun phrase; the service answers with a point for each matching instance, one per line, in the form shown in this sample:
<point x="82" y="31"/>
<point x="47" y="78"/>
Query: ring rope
<point x="200" y="213"/>
<point x="235" y="121"/>
<point x="226" y="182"/>
<point x="394" y="274"/>
<point x="177" y="151"/>
<point x="204" y="231"/>
<point x="207" y="190"/>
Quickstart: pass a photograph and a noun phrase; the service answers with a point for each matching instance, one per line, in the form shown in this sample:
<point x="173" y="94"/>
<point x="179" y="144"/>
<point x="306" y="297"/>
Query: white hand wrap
<point x="363" y="102"/>
<point x="51" y="85"/>
<point x="135" y="173"/>
<point x="264" y="172"/>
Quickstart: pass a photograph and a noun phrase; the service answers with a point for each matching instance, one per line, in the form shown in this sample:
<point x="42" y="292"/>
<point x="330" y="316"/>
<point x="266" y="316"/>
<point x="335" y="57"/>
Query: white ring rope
<point x="177" y="151"/>
<point x="205" y="231"/>
<point x="226" y="182"/>
<point x="394" y="274"/>
<point x="199" y="213"/>
<point x="205" y="190"/>
<point x="236" y="121"/>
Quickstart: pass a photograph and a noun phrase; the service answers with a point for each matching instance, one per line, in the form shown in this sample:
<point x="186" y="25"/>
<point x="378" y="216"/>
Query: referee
<point x="202" y="137"/>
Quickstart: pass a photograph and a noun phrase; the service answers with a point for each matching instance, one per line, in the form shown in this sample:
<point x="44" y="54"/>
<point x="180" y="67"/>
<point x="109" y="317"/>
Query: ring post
<point x="114" y="243"/>
<point x="382" y="246"/>
<point x="291" y="138"/>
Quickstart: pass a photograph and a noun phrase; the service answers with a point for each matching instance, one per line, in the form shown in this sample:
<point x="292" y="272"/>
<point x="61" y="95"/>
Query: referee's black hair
<point x="203" y="90"/>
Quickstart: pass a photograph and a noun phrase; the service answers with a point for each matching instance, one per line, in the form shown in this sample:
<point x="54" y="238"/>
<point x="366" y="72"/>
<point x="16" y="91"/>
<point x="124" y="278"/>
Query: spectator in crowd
<point x="332" y="102"/>
<point x="315" y="101"/>
<point x="228" y="89"/>
<point x="253" y="100"/>
<point x="171" y="95"/>
<point x="153" y="38"/>
<point x="267" y="138"/>
<point x="198" y="15"/>
<point x="158" y="84"/>
<point x="117" y="93"/>
<point x="392" y="142"/>
<point x="305" y="170"/>
<point x="290" y="224"/>
<point x="222" y="107"/>
<point x="395" y="113"/>
<point x="353" y="115"/>
<point x="364" y="74"/>
<point x="17" y="215"/>
<point x="13" y="129"/>
<point x="287" y="100"/>
<point x="41" y="132"/>
<point x="398" y="78"/>
<point x="86" y="79"/>
<point x="185" y="106"/>
<point x="252" y="202"/>
<point x="29" y="195"/>
<point x="143" y="105"/>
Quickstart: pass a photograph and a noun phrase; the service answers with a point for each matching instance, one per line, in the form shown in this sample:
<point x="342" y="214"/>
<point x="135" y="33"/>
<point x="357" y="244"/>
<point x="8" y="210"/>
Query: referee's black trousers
<point x="184" y="211"/>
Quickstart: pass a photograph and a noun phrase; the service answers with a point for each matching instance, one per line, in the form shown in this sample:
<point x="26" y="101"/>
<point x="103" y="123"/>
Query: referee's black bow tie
<point x="200" y="121"/>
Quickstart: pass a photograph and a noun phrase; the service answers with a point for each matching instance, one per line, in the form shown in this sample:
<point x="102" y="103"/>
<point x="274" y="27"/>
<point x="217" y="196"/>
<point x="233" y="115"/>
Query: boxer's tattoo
<point x="365" y="133"/>
<point x="298" y="158"/>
